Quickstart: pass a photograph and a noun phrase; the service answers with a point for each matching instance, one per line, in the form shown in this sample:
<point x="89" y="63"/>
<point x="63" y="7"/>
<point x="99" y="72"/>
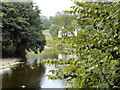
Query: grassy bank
<point x="57" y="43"/>
<point x="50" y="42"/>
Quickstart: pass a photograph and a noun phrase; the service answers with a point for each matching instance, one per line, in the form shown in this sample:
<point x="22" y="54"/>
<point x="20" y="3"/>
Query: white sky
<point x="50" y="7"/>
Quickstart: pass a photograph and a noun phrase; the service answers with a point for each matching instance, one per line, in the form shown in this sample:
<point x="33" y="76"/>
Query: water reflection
<point x="31" y="73"/>
<point x="48" y="83"/>
<point x="24" y="74"/>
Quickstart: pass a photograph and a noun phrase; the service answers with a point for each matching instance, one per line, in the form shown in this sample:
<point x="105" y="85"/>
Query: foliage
<point x="50" y="42"/>
<point x="89" y="28"/>
<point x="50" y="53"/>
<point x="51" y="19"/>
<point x="58" y="43"/>
<point x="99" y="49"/>
<point x="47" y="35"/>
<point x="62" y="19"/>
<point x="21" y="28"/>
<point x="45" y="22"/>
<point x="53" y="30"/>
<point x="58" y="21"/>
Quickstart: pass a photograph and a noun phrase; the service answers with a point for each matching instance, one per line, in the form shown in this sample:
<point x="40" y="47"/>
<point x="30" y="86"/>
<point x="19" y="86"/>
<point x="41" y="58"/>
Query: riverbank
<point x="55" y="43"/>
<point x="59" y="48"/>
<point x="58" y="43"/>
<point x="9" y="62"/>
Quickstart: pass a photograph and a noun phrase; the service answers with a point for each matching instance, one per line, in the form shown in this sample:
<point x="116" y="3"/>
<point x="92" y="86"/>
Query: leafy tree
<point x="51" y="19"/>
<point x="99" y="49"/>
<point x="45" y="22"/>
<point x="21" y="29"/>
<point x="53" y="30"/>
<point x="58" y="21"/>
<point x="62" y="19"/>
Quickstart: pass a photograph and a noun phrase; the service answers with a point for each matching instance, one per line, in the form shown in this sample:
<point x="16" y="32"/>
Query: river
<point x="32" y="74"/>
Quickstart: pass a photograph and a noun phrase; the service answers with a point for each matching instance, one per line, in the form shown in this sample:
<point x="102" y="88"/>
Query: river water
<point x="32" y="74"/>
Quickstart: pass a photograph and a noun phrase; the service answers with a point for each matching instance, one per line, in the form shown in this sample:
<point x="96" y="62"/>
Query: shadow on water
<point x="26" y="74"/>
<point x="31" y="74"/>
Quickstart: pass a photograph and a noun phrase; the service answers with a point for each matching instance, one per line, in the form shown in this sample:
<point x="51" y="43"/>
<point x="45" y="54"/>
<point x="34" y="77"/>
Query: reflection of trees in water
<point x="31" y="72"/>
<point x="26" y="74"/>
<point x="51" y="53"/>
<point x="46" y="54"/>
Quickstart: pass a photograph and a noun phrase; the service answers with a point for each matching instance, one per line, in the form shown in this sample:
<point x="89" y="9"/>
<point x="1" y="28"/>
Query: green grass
<point x="57" y="43"/>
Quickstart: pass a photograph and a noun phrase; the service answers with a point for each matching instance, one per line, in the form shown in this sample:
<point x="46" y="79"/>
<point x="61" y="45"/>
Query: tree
<point x="51" y="19"/>
<point x="21" y="29"/>
<point x="53" y="30"/>
<point x="45" y="22"/>
<point x="99" y="49"/>
<point x="59" y="21"/>
<point x="62" y="19"/>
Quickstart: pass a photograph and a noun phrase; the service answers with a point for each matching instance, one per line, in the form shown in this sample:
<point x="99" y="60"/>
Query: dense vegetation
<point x="99" y="49"/>
<point x="58" y="43"/>
<point x="46" y="23"/>
<point x="53" y="25"/>
<point x="21" y="29"/>
<point x="58" y="21"/>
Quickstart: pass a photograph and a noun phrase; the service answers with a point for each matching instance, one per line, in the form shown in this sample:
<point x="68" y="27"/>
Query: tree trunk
<point x="20" y="52"/>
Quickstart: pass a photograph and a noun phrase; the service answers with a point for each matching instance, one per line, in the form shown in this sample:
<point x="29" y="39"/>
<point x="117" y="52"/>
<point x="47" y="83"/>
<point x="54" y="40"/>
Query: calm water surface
<point x="32" y="74"/>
